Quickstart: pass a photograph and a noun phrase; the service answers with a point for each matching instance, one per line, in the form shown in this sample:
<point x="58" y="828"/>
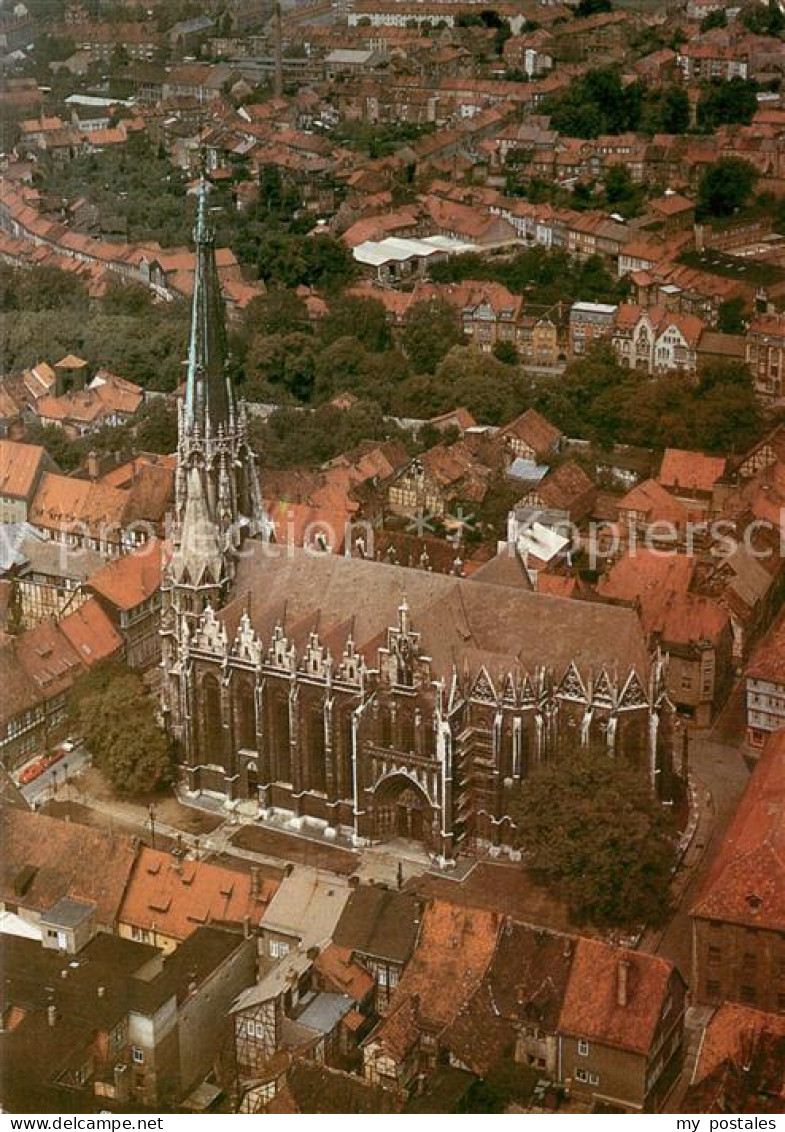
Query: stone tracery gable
<point x="510" y="692"/>
<point x="483" y="689"/>
<point x="604" y="692"/>
<point x="572" y="687"/>
<point x="633" y="695"/>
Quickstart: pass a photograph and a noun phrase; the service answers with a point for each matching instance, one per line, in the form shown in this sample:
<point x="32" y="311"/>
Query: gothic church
<point x="367" y="700"/>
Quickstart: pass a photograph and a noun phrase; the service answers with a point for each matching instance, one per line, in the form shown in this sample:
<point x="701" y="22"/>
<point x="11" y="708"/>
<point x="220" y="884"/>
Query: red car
<point x="32" y="771"/>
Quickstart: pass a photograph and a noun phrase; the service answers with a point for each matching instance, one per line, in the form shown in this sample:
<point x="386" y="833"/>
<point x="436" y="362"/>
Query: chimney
<point x="93" y="470"/>
<point x="51" y="1014"/>
<point x="102" y="992"/>
<point x="255" y="882"/>
<point x="354" y="881"/>
<point x="622" y="982"/>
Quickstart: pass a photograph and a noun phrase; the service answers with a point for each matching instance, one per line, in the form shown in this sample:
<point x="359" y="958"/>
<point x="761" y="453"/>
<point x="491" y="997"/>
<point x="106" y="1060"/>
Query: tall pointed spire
<point x="209" y="399"/>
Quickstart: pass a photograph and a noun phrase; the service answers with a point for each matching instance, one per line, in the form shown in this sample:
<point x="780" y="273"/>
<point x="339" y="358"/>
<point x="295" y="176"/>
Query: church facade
<point x="363" y="699"/>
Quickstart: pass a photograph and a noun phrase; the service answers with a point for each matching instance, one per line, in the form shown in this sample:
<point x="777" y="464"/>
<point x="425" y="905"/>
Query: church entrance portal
<point x="401" y="809"/>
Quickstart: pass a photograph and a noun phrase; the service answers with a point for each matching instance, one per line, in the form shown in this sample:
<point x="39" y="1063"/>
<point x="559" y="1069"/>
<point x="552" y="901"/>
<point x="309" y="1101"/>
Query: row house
<point x="442" y="475"/>
<point x="765" y="356"/>
<point x="656" y="341"/>
<point x="21" y="469"/>
<point x="139" y="40"/>
<point x="765" y="687"/>
<point x="701" y="62"/>
<point x="589" y="323"/>
<point x="483" y="992"/>
<point x="695" y="631"/>
<point x="738" y="918"/>
<point x="119" y="1024"/>
<point x="529" y="53"/>
<point x="129" y="590"/>
<point x="39" y="668"/>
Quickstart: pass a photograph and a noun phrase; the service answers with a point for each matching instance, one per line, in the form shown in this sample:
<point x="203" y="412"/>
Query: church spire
<point x="209" y="399"/>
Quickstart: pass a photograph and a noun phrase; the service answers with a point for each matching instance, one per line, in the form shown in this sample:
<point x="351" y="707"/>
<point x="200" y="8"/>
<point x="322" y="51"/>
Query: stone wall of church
<point x="390" y="752"/>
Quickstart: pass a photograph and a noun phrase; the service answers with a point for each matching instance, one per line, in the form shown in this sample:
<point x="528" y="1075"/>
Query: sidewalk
<point x="697" y="837"/>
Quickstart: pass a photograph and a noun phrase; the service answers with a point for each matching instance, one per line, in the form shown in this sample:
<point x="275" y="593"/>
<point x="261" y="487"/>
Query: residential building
<point x="129" y="589"/>
<point x="47" y="860"/>
<point x="589" y="322"/>
<point x="167" y="896"/>
<point x="695" y="631"/>
<point x="738" y="917"/>
<point x="765" y="687"/>
<point x="40" y="667"/>
<point x="21" y="469"/>
<point x="379" y="927"/>
<point x="303" y="911"/>
<point x="621" y="1026"/>
<point x="655" y="340"/>
<point x="119" y="1026"/>
<point x="530" y="437"/>
<point x="766" y="356"/>
<point x="740" y="1063"/>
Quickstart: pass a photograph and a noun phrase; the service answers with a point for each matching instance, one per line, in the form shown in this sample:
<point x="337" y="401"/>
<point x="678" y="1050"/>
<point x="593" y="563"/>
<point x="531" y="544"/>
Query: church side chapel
<point x="364" y="699"/>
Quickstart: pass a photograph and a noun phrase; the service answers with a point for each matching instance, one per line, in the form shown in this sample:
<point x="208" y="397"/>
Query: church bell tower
<point x="218" y="503"/>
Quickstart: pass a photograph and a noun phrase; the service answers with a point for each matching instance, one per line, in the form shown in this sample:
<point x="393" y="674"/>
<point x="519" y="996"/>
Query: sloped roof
<point x="129" y="580"/>
<point x="20" y="465"/>
<point x="591" y="1008"/>
<point x="380" y="923"/>
<point x="48" y="859"/>
<point x="174" y="897"/>
<point x="455" y="947"/>
<point x="746" y="884"/>
<point x="91" y="633"/>
<point x="535" y="430"/>
<point x="691" y="471"/>
<point x="456" y="618"/>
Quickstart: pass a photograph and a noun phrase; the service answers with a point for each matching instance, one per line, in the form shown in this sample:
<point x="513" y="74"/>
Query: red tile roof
<point x="174" y="897"/>
<point x="64" y="859"/>
<point x="691" y="471"/>
<point x="453" y="952"/>
<point x="128" y="581"/>
<point x="20" y="465"/>
<point x="729" y="1030"/>
<point x="91" y="633"/>
<point x="591" y="1008"/>
<point x="746" y="884"/>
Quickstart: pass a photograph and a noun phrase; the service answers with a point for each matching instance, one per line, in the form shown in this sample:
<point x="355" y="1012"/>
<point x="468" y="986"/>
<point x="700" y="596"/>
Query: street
<point x="47" y="784"/>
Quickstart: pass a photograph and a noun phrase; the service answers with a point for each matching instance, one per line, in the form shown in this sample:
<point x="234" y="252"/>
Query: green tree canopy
<point x="432" y="329"/>
<point x="361" y="316"/>
<point x="726" y="186"/>
<point x="589" y="829"/>
<point x="114" y="713"/>
<point x="724" y="102"/>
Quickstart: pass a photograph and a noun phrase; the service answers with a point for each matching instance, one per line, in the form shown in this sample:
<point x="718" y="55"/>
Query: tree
<point x="725" y="187"/>
<point x="763" y="18"/>
<point x="357" y="315"/>
<point x="730" y="316"/>
<point x="156" y="427"/>
<point x="716" y="19"/>
<point x="432" y="329"/>
<point x="590" y="830"/>
<point x="115" y="715"/>
<point x="592" y="8"/>
<point x="491" y="390"/>
<point x="724" y="102"/>
<point x="280" y="311"/>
